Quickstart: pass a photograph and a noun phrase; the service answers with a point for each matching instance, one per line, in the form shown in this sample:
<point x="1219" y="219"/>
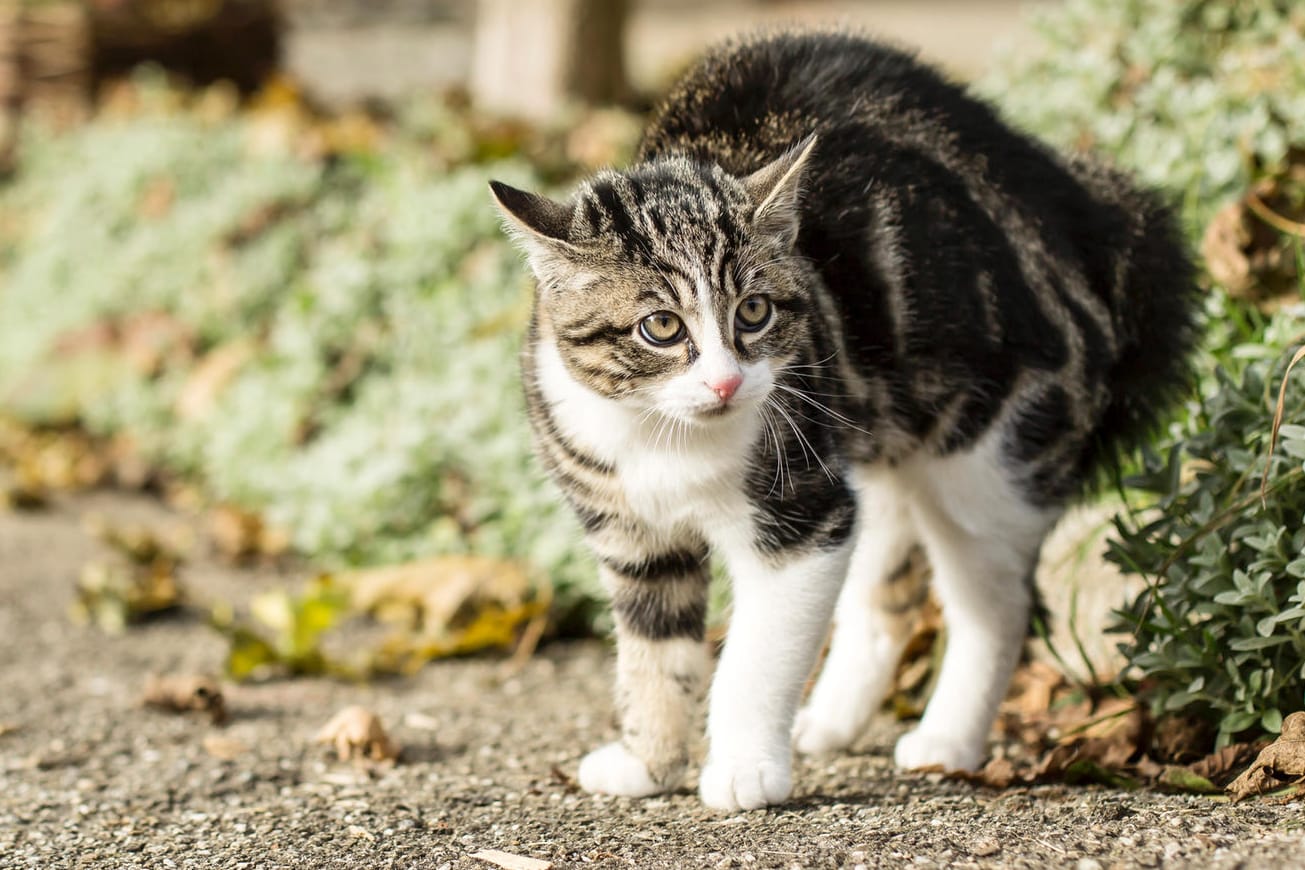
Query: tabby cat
<point x="836" y="311"/>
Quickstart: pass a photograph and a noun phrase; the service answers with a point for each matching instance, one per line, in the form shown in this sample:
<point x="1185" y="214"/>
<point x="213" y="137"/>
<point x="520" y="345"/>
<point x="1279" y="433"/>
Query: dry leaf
<point x="241" y="535"/>
<point x="1250" y="245"/>
<point x="357" y="734"/>
<point x="224" y="748"/>
<point x="508" y="861"/>
<point x="198" y="396"/>
<point x="1279" y="764"/>
<point x="157" y="199"/>
<point x="1182" y="739"/>
<point x="1218" y="767"/>
<point x="186" y="693"/>
<point x="437" y="591"/>
<point x="998" y="773"/>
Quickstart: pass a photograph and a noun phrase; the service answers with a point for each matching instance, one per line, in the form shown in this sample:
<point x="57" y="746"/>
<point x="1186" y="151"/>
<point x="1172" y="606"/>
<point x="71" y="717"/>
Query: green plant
<point x="330" y="343"/>
<point x="1196" y="96"/>
<point x="1220" y="630"/>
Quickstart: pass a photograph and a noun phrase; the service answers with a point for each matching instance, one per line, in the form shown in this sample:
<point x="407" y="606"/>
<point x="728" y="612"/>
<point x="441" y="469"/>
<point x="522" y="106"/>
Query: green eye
<point x="753" y="313"/>
<point x="661" y="328"/>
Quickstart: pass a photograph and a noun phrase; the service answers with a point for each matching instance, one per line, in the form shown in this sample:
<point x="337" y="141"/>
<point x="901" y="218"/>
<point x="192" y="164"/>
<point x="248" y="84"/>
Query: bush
<point x="1196" y="96"/>
<point x="1203" y="99"/>
<point x="329" y="338"/>
<point x="1220" y="632"/>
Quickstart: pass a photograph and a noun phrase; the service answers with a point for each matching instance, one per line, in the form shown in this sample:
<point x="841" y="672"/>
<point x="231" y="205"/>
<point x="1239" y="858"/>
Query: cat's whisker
<point x="834" y="415"/>
<point x="808" y="449"/>
<point x="773" y="438"/>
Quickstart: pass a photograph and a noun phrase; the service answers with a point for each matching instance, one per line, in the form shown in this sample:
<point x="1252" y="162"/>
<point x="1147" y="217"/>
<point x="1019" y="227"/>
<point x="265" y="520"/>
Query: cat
<point x="836" y="312"/>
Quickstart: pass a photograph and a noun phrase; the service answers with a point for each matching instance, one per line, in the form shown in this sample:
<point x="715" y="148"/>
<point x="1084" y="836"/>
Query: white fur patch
<point x="674" y="472"/>
<point x="779" y="621"/>
<point x="612" y="769"/>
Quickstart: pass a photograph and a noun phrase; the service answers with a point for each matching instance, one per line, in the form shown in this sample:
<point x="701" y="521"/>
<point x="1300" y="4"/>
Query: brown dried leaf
<point x="1032" y="689"/>
<point x="224" y="748"/>
<point x="440" y="592"/>
<point x="198" y="396"/>
<point x="1182" y="739"/>
<point x="998" y="773"/>
<point x="157" y="199"/>
<point x="358" y="735"/>
<point x="1219" y="767"/>
<point x="1224" y="247"/>
<point x="152" y="339"/>
<point x="186" y="693"/>
<point x="1278" y="764"/>
<point x="240" y="535"/>
<point x="508" y="861"/>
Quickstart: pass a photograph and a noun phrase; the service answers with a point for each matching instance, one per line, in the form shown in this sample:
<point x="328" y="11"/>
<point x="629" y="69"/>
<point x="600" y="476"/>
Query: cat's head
<point x="672" y="286"/>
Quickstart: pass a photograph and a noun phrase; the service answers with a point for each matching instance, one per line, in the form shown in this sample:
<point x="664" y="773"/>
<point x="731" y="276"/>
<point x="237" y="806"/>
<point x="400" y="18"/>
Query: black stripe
<point x="665" y="566"/>
<point x="601" y="332"/>
<point x="592" y="520"/>
<point x="574" y="453"/>
<point x="648" y="612"/>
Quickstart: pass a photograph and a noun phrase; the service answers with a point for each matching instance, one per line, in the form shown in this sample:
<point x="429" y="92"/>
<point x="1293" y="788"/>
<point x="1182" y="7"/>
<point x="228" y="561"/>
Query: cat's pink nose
<point x="726" y="386"/>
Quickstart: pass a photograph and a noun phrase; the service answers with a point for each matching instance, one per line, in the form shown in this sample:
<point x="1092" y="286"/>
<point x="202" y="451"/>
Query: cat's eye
<point x="661" y="328"/>
<point x="753" y="313"/>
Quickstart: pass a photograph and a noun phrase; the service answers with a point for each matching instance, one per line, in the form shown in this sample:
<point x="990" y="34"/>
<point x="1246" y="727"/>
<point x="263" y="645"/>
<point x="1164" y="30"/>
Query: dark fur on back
<point x="962" y="255"/>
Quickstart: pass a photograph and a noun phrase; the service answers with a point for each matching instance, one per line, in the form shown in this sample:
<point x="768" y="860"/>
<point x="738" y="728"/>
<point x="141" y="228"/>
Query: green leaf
<point x="1183" y="780"/>
<point x="1247" y="644"/>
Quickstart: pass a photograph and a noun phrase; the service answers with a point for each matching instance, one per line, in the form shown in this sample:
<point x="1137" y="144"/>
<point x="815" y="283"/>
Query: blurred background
<point x="248" y="265"/>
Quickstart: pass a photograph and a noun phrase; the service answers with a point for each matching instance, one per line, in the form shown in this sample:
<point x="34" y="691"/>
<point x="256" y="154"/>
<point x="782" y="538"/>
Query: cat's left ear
<point x="541" y="226"/>
<point x="776" y="188"/>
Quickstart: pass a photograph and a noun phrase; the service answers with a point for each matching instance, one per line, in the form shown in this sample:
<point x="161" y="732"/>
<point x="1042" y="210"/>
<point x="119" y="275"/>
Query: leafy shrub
<point x="1202" y="99"/>
<point x="342" y="330"/>
<point x="1221" y="630"/>
<point x="1197" y="96"/>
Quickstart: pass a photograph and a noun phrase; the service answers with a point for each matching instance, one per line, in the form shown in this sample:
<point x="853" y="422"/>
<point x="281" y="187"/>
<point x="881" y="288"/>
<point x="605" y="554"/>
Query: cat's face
<point x="672" y="288"/>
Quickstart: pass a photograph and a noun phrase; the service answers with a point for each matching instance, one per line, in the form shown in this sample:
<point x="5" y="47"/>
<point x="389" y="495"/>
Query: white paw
<point x="612" y="769"/>
<point x="920" y="748"/>
<point x="815" y="732"/>
<point x="745" y="783"/>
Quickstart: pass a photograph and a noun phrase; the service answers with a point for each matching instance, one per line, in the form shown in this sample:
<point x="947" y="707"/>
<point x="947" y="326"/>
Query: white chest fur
<point x="672" y="473"/>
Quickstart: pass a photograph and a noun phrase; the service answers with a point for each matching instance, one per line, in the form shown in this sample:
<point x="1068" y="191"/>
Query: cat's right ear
<point x="540" y="225"/>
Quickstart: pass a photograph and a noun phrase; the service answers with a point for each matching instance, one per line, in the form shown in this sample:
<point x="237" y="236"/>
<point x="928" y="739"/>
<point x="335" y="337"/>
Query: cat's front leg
<point x="659" y="600"/>
<point x="783" y="601"/>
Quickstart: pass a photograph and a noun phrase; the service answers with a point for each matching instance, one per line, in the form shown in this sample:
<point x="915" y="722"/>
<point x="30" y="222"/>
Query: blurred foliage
<point x="316" y="318"/>
<point x="1196" y="96"/>
<point x="1205" y="99"/>
<point x="137" y="581"/>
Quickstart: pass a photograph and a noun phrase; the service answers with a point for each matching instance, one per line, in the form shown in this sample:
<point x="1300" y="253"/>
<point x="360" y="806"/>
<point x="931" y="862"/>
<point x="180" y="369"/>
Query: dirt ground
<point x="90" y="779"/>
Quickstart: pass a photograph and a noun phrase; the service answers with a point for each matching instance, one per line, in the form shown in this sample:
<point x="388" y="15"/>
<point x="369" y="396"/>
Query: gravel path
<point x="89" y="779"/>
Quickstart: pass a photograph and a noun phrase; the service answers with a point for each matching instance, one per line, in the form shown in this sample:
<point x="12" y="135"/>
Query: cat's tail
<point x="1157" y="311"/>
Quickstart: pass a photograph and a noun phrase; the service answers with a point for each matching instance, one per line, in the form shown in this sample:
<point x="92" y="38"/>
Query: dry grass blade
<point x="1272" y="218"/>
<point x="1277" y="424"/>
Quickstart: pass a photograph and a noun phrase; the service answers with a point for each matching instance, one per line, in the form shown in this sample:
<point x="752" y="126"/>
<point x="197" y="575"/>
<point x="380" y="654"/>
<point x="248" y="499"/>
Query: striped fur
<point x="963" y="327"/>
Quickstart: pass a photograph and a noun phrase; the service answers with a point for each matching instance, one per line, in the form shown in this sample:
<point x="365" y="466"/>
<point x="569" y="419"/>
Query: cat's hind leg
<point x="982" y="538"/>
<point x="660" y="603"/>
<point x="872" y="621"/>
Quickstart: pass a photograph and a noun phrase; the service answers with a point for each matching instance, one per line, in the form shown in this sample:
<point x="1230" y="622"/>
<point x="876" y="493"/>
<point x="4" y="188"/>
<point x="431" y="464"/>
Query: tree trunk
<point x="532" y="57"/>
<point x="10" y="85"/>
